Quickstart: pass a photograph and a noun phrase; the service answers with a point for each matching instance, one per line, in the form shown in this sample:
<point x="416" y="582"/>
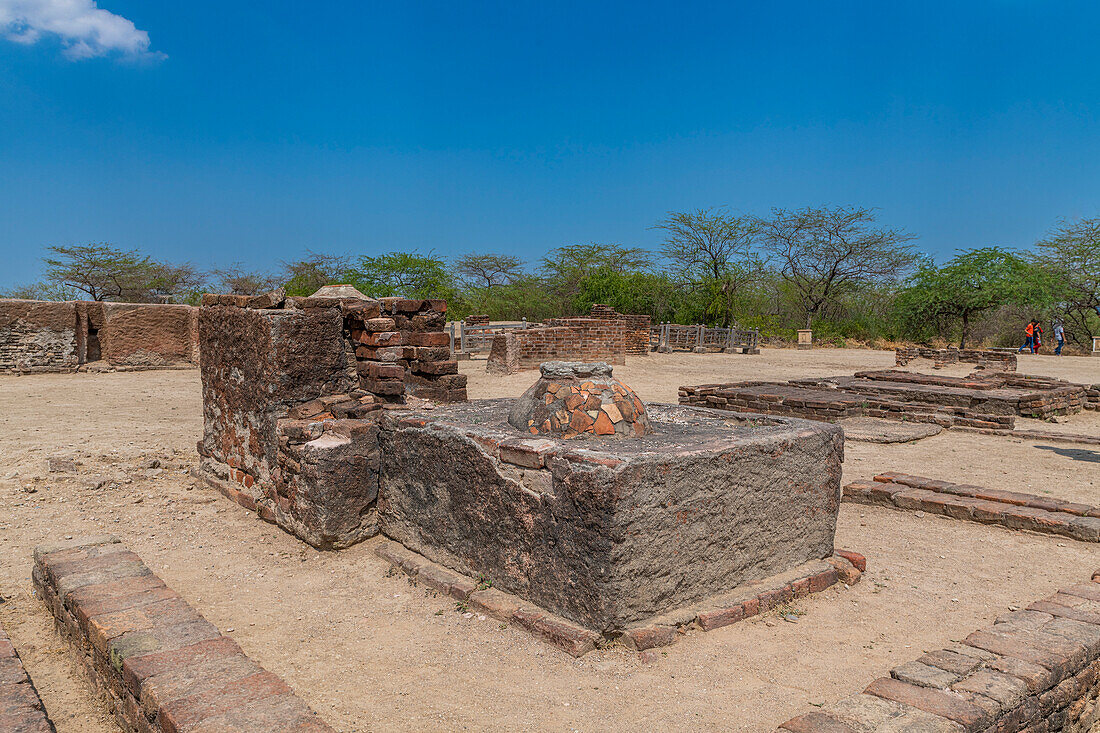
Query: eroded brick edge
<point x="155" y="661"/>
<point x="1011" y="509"/>
<point x="576" y="640"/>
<point x="1034" y="670"/>
<point x="21" y="707"/>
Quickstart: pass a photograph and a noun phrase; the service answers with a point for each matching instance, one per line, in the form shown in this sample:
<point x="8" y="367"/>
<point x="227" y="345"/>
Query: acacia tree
<point x="238" y="280"/>
<point x="712" y="251"/>
<point x="951" y="297"/>
<point x="403" y="274"/>
<point x="100" y="271"/>
<point x="1071" y="253"/>
<point x="562" y="270"/>
<point x="308" y="275"/>
<point x="823" y="252"/>
<point x="488" y="270"/>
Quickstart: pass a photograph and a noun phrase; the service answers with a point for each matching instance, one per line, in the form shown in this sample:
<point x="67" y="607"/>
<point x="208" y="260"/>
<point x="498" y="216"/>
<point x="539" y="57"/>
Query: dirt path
<point x="370" y="652"/>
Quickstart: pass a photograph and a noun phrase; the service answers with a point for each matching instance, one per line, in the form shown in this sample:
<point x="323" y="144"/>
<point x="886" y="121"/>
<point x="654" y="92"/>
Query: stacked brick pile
<point x="637" y="328"/>
<point x="160" y="665"/>
<point x="984" y="358"/>
<point x="20" y="707"/>
<point x="1035" y="670"/>
<point x="576" y="400"/>
<point x="292" y="389"/>
<point x="990" y="401"/>
<point x="401" y="348"/>
<point x="1011" y="509"/>
<point x="561" y="339"/>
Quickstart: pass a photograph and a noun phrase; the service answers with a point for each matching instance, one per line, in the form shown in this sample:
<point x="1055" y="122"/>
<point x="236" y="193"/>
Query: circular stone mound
<point x="576" y="399"/>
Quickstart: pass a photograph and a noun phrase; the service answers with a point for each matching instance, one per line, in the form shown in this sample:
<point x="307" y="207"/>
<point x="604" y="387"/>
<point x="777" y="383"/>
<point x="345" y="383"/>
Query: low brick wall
<point x="637" y="328"/>
<point x="561" y="339"/>
<point x="156" y="661"/>
<point x="991" y="400"/>
<point x="1011" y="509"/>
<point x="1035" y="670"/>
<point x="41" y="336"/>
<point x="20" y="706"/>
<point x="984" y="358"/>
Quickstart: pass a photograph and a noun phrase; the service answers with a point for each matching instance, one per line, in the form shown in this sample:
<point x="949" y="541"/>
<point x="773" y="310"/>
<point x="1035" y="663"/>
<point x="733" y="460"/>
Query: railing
<point x="667" y="337"/>
<point x="476" y="339"/>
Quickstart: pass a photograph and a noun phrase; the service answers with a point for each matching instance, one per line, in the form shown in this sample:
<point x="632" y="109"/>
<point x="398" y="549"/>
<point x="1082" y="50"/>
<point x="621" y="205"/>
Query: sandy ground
<point x="370" y="652"/>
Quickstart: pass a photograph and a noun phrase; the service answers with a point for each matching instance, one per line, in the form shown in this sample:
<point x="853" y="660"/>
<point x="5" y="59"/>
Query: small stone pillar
<point x="805" y="338"/>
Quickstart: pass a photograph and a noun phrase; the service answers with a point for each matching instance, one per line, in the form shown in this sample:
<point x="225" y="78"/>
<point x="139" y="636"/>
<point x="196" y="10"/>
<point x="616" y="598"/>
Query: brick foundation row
<point x="21" y="708"/>
<point x="1035" y="670"/>
<point x="1011" y="509"/>
<point x="752" y="599"/>
<point x="984" y="358"/>
<point x="156" y="661"/>
<point x="988" y="401"/>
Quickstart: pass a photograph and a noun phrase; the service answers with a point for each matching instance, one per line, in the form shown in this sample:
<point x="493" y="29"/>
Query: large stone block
<point x="607" y="533"/>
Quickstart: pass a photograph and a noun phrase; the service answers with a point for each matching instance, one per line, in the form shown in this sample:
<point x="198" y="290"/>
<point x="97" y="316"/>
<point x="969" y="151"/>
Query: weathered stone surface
<point x="626" y="529"/>
<point x="38" y="336"/>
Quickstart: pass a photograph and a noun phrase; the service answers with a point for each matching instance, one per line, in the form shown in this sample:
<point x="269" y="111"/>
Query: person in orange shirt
<point x="1029" y="341"/>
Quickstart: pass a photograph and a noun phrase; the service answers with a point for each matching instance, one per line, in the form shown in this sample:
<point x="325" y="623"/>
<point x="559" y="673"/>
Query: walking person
<point x="1029" y="340"/>
<point x="1060" y="337"/>
<point x="1036" y="338"/>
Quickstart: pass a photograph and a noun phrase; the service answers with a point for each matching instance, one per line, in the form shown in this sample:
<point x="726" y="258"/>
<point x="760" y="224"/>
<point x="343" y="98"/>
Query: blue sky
<point x="252" y="132"/>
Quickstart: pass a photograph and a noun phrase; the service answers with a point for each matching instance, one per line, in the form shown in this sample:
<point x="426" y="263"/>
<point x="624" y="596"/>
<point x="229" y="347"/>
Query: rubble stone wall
<point x="611" y="533"/>
<point x="561" y="339"/>
<point x="292" y="392"/>
<point x="37" y="336"/>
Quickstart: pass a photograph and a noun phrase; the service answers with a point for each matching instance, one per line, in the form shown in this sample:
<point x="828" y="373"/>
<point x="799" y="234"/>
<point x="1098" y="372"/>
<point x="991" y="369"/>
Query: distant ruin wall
<point x="561" y="339"/>
<point x="984" y="358"/>
<point x="45" y="336"/>
<point x="37" y="336"/>
<point x="637" y="328"/>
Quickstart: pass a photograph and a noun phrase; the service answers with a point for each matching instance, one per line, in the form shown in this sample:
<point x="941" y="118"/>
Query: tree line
<point x="833" y="269"/>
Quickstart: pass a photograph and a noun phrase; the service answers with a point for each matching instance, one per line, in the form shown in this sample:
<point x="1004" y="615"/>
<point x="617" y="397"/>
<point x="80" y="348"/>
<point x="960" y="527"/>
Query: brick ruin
<point x="637" y="328"/>
<point x="64" y="336"/>
<point x="292" y="393"/>
<point x="988" y="400"/>
<point x="984" y="358"/>
<point x="602" y="530"/>
<point x="559" y="339"/>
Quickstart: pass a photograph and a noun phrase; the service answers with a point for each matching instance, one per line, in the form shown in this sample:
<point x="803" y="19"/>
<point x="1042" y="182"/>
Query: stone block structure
<point x="560" y="339"/>
<point x="983" y="358"/>
<point x="1033" y="670"/>
<point x="159" y="665"/>
<point x="291" y="398"/>
<point x="611" y="533"/>
<point x="637" y="328"/>
<point x="43" y="336"/>
<point x="990" y="400"/>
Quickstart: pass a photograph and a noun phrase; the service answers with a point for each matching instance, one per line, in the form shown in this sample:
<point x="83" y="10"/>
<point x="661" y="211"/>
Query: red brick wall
<point x="561" y="339"/>
<point x="637" y="328"/>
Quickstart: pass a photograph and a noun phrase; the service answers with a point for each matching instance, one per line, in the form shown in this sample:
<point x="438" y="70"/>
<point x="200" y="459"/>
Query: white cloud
<point x="84" y="29"/>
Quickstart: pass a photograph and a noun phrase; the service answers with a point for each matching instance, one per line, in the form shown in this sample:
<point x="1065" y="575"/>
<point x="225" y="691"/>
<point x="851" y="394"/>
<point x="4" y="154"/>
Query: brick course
<point x="159" y="665"/>
<point x="1033" y="670"/>
<point x="1011" y="509"/>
